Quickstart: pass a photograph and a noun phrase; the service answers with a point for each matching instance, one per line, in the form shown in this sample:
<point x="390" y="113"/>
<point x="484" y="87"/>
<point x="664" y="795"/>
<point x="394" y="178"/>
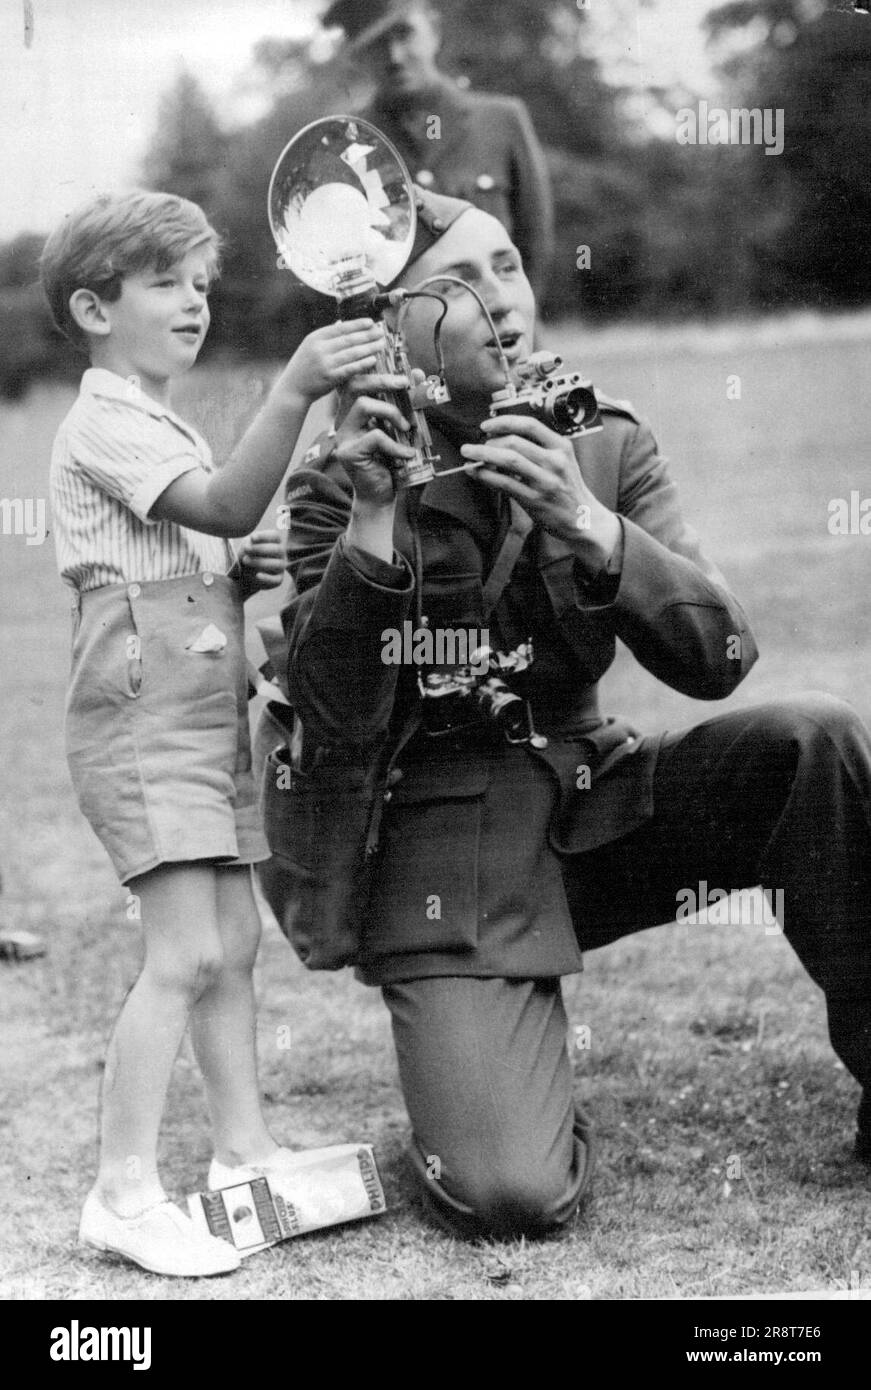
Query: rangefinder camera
<point x="565" y="402"/>
<point x="456" y="699"/>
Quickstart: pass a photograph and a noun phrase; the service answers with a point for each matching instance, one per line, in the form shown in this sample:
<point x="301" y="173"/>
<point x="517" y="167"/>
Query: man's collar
<point x="459" y="495"/>
<point x="443" y="95"/>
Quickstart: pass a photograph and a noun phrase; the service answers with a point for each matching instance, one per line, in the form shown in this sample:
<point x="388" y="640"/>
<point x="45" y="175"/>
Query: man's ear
<point x="88" y="311"/>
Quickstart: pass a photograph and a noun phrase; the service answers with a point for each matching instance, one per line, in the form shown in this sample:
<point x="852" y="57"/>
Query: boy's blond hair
<point x="115" y="235"/>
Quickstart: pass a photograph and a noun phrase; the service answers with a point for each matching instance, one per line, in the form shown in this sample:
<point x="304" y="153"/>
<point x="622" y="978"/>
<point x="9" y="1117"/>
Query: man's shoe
<point x="161" y="1239"/>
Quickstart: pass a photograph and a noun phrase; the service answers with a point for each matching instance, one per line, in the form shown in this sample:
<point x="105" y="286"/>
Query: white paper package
<point x="317" y="1188"/>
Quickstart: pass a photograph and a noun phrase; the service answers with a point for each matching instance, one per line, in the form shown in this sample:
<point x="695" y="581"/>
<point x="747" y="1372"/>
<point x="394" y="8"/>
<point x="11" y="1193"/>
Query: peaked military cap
<point x="365" y="20"/>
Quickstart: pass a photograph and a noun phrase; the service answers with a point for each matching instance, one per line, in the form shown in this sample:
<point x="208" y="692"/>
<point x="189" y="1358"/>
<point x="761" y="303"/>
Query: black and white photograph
<point x="435" y="829"/>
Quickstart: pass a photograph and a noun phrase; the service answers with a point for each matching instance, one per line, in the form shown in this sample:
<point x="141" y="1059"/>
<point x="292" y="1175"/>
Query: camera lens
<point x="506" y="708"/>
<point x="569" y="409"/>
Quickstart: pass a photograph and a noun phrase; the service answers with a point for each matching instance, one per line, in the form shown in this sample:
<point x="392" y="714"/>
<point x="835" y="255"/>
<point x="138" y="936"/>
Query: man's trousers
<point x="777" y="795"/>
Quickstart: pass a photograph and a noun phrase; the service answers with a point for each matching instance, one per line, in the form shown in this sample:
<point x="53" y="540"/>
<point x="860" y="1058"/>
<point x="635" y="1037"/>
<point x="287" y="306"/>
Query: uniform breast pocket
<point x="453" y="600"/>
<point x="491" y="193"/>
<point x="425" y="886"/>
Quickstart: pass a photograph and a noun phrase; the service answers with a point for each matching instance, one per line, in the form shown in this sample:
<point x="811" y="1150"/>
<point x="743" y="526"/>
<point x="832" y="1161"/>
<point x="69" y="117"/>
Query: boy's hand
<point x="330" y="356"/>
<point x="262" y="560"/>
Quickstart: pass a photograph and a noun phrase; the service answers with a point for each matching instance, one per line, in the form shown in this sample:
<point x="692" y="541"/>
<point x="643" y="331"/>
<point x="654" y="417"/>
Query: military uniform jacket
<point x="477" y="833"/>
<point x="483" y="148"/>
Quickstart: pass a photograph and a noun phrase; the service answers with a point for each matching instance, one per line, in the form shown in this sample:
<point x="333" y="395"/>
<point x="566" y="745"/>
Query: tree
<point x="19" y="260"/>
<point x="808" y="210"/>
<point x="540" y="53"/>
<point x="188" y="153"/>
<point x="30" y="345"/>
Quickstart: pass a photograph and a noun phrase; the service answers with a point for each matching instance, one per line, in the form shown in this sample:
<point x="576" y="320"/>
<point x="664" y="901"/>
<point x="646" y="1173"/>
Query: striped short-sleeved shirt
<point x="114" y="454"/>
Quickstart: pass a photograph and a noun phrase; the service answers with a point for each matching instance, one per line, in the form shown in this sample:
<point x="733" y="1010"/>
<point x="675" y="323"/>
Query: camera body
<point x="467" y="696"/>
<point x="565" y="403"/>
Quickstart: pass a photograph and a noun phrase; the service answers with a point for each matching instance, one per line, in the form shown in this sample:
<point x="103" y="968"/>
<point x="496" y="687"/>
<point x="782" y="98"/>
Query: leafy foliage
<point x="813" y="208"/>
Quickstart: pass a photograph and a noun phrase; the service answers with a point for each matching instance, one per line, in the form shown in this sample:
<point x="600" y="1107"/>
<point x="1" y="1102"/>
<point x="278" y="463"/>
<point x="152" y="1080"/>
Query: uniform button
<point x="485" y="182"/>
<point x="134" y="590"/>
<point x="426" y="178"/>
<point x="438" y="225"/>
<point x="208" y="579"/>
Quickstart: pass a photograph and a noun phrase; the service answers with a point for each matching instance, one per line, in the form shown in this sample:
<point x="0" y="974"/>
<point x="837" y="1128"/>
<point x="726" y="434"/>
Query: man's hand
<point x="538" y="468"/>
<point x="262" y="560"/>
<point x="363" y="446"/>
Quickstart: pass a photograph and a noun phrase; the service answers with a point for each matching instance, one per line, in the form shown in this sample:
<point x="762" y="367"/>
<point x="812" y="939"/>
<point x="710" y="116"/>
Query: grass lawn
<point x="725" y="1120"/>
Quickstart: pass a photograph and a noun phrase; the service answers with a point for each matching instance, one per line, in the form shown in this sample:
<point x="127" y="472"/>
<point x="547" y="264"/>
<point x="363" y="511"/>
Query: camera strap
<point x="509" y="553"/>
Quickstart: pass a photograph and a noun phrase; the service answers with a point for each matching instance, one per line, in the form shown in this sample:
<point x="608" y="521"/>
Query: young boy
<point x="156" y="721"/>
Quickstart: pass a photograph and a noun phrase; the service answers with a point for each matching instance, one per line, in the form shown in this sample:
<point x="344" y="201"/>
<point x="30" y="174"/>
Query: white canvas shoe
<point x="282" y="1161"/>
<point x="161" y="1239"/>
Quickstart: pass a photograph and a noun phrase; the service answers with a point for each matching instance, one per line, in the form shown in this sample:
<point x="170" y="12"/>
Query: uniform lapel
<point x="410" y="130"/>
<point x="452" y="110"/>
<point x="460" y="497"/>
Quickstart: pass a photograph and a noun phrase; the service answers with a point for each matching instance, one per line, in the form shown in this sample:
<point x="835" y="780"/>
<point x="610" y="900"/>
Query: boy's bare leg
<point x="223" y="1028"/>
<point x="183" y="956"/>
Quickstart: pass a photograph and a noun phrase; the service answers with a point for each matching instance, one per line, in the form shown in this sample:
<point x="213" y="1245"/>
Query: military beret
<point x="435" y="213"/>
<point x="364" y="20"/>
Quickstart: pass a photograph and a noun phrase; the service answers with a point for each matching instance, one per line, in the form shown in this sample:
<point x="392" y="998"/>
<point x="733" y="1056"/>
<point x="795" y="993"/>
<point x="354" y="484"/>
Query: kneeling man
<point x="510" y="845"/>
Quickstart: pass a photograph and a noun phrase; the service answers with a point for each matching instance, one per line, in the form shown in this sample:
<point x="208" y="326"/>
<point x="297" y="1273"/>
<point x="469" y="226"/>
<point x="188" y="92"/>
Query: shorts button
<point x="485" y="182"/>
<point x="134" y="590"/>
<point x="208" y="579"/>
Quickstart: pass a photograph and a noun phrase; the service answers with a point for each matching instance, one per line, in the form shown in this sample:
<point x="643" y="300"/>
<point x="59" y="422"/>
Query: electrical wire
<point x="455" y="280"/>
<point x="437" y="330"/>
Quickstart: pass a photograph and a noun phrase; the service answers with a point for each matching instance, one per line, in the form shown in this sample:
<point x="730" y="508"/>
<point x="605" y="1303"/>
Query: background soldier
<point x="466" y="144"/>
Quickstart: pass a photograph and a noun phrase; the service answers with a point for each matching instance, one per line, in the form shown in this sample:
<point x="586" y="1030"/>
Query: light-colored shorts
<point x="157" y="731"/>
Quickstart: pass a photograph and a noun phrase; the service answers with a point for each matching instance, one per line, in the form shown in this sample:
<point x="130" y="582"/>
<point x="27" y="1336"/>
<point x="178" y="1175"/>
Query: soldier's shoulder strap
<point x="612" y="406"/>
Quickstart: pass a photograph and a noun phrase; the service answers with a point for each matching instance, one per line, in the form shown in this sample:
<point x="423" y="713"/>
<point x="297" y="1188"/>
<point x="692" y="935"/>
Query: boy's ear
<point x="86" y="307"/>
